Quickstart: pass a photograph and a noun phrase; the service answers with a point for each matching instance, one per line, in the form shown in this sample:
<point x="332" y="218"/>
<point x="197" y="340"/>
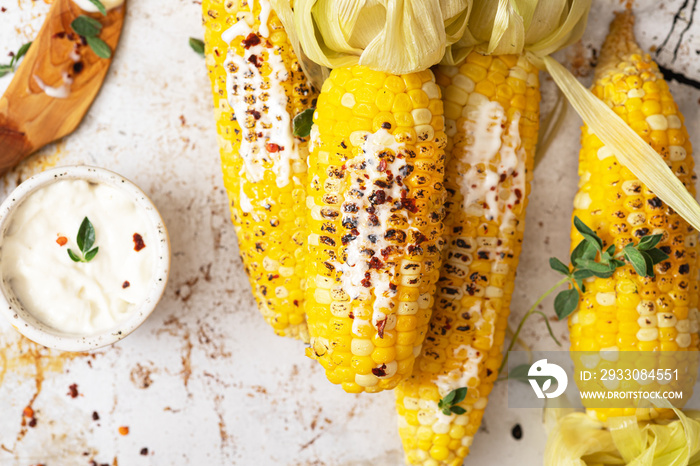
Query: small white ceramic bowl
<point x="37" y="331"/>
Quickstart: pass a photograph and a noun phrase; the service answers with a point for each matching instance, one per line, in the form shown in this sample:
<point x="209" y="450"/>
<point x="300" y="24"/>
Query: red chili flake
<point x="254" y="60"/>
<point x="270" y="147"/>
<point x="126" y="284"/>
<point x="32" y="422"/>
<point x="382" y="165"/>
<point x="296" y="302"/>
<point x="251" y="40"/>
<point x="28" y="412"/>
<point x="392" y="286"/>
<point x="144" y="451"/>
<point x="123" y="430"/>
<point x="138" y="242"/>
<point x="78" y="67"/>
<point x="61" y="240"/>
<point x="73" y="391"/>
<point x="366" y="282"/>
<point x="380" y="327"/>
<point x="379" y="371"/>
<point x="351" y="315"/>
<point x="95" y="416"/>
<point x="59" y="35"/>
<point x="409" y="204"/>
<point x="375" y="263"/>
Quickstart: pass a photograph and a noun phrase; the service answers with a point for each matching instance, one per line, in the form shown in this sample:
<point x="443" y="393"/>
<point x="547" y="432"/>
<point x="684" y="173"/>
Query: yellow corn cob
<point x="375" y="204"/>
<point x="492" y="118"/>
<point x="628" y="312"/>
<point x="263" y="164"/>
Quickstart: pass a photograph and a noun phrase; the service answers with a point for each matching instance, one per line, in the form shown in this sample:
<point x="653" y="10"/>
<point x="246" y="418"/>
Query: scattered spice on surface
<point x="123" y="430"/>
<point x="144" y="452"/>
<point x="95" y="416"/>
<point x="73" y="391"/>
<point x="61" y="240"/>
<point x="517" y="432"/>
<point x="126" y="284"/>
<point x="138" y="242"/>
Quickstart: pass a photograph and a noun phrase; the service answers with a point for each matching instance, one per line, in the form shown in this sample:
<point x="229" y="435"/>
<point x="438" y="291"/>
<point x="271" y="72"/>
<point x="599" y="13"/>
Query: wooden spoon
<point x="58" y="63"/>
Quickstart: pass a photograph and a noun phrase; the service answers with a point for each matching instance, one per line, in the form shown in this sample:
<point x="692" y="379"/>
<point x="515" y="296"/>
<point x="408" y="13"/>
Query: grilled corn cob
<point x="375" y="211"/>
<point x="258" y="87"/>
<point x="627" y="312"/>
<point x="492" y="118"/>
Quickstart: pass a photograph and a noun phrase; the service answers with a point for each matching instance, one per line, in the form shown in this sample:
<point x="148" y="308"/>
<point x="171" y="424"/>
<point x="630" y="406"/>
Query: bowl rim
<point x="37" y="331"/>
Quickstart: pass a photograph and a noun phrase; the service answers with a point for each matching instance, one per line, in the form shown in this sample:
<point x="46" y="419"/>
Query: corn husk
<point x="395" y="36"/>
<point x="579" y="440"/>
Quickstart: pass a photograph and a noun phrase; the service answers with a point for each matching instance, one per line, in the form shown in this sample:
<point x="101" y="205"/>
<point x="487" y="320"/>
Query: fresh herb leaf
<point x="589" y="234"/>
<point x="448" y="402"/>
<point x="582" y="274"/>
<point x="649" y="242"/>
<point x="657" y="255"/>
<point x="86" y="236"/>
<point x="584" y="250"/>
<point x="303" y="122"/>
<point x="74" y="256"/>
<point x="86" y="26"/>
<point x="566" y="302"/>
<point x="100" y="47"/>
<point x="596" y="268"/>
<point x="636" y="259"/>
<point x="90" y="255"/>
<point x="100" y="7"/>
<point x="20" y="53"/>
<point x="4" y="69"/>
<point x="85" y="240"/>
<point x="458" y="410"/>
<point x="197" y="45"/>
<point x="558" y="266"/>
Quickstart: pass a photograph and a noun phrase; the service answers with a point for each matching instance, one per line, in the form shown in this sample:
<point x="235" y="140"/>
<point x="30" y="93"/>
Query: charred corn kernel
<point x="488" y="148"/>
<point x="262" y="163"/>
<point x="376" y="204"/>
<point x="646" y="309"/>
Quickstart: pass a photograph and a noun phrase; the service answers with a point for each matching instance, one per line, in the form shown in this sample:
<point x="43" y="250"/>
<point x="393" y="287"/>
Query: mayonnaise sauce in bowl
<point x="84" y="258"/>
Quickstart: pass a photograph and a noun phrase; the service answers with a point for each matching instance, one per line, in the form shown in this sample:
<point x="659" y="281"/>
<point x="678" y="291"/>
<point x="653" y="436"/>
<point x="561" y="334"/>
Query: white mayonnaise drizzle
<point x="58" y="92"/>
<point x="363" y="172"/>
<point x="480" y="185"/>
<point x="259" y="107"/>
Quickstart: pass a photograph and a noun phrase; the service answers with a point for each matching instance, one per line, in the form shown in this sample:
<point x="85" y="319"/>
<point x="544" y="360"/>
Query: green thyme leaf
<point x="589" y="234"/>
<point x="100" y="47"/>
<point x="20" y="53"/>
<point x="657" y="255"/>
<point x="86" y="236"/>
<point x="446" y="411"/>
<point x="74" y="256"/>
<point x="584" y="250"/>
<point x="90" y="255"/>
<point x="197" y="45"/>
<point x="649" y="242"/>
<point x="566" y="302"/>
<point x="558" y="266"/>
<point x="460" y="394"/>
<point x="458" y="410"/>
<point x="4" y="69"/>
<point x="303" y="122"/>
<point x="100" y="7"/>
<point x="86" y="26"/>
<point x="636" y="258"/>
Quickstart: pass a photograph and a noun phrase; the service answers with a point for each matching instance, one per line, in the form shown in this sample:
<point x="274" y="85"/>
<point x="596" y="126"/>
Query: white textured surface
<point x="205" y="381"/>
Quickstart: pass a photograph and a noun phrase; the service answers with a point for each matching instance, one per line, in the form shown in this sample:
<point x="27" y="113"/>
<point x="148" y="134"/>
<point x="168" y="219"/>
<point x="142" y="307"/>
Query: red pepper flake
<point x="95" y="416"/>
<point x="126" y="284"/>
<point x="379" y="371"/>
<point x="367" y="282"/>
<point x="382" y="165"/>
<point x="375" y="263"/>
<point x="254" y="60"/>
<point x="123" y="430"/>
<point x="351" y="315"/>
<point x="271" y="147"/>
<point x="138" y="242"/>
<point x="251" y="40"/>
<point x="256" y="115"/>
<point x="3" y="9"/>
<point x="61" y="240"/>
<point x="28" y="412"/>
<point x="144" y="451"/>
<point x="380" y="328"/>
<point x="296" y="302"/>
<point x="73" y="391"/>
<point x="59" y="35"/>
<point x="32" y="422"/>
